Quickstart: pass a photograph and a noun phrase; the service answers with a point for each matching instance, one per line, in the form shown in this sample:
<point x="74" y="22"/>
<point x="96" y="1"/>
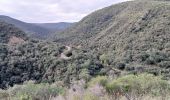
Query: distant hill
<point x="36" y="30"/>
<point x="55" y="26"/>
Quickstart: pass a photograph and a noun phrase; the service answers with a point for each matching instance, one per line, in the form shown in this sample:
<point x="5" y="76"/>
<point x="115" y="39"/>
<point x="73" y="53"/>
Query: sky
<point x="49" y="11"/>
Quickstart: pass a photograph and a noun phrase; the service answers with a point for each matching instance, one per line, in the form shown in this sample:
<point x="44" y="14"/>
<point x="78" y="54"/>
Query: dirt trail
<point x="63" y="56"/>
<point x="15" y="40"/>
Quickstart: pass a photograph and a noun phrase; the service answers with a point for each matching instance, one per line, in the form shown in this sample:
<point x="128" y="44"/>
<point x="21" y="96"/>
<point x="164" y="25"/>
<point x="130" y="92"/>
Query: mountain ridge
<point x="38" y="30"/>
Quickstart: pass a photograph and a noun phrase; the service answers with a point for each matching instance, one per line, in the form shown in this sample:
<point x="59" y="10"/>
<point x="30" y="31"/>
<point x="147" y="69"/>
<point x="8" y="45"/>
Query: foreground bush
<point x="129" y="87"/>
<point x="134" y="87"/>
<point x="100" y="80"/>
<point x="31" y="91"/>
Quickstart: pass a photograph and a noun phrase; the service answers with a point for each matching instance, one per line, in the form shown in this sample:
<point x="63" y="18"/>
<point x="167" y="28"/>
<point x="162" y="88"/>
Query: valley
<point x="120" y="52"/>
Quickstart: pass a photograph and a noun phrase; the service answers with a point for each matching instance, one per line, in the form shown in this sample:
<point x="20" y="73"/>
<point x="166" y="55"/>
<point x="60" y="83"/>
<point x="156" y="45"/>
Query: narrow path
<point x="63" y="56"/>
<point x="68" y="48"/>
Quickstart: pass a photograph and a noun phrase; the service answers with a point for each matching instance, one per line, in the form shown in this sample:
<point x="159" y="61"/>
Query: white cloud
<point x="51" y="10"/>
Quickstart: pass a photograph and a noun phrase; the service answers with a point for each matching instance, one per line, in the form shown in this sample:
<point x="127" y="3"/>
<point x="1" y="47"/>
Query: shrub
<point x="89" y="96"/>
<point x="101" y="80"/>
<point x="4" y="95"/>
<point x="164" y="64"/>
<point x="31" y="91"/>
<point x="84" y="74"/>
<point x="120" y="66"/>
<point x="86" y="64"/>
<point x="104" y="58"/>
<point x="155" y="57"/>
<point x="107" y="58"/>
<point x="137" y="86"/>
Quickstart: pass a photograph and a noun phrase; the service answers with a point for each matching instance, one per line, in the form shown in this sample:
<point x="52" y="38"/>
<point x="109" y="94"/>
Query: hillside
<point x="114" y="19"/>
<point x="34" y="29"/>
<point x="132" y="36"/>
<point x="23" y="59"/>
<point x="121" y="52"/>
<point x="9" y="31"/>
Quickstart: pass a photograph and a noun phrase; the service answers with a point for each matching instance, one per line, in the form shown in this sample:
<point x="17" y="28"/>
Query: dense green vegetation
<point x="132" y="87"/>
<point x="31" y="91"/>
<point x="132" y="36"/>
<point x="128" y="87"/>
<point x="116" y="43"/>
<point x="41" y="61"/>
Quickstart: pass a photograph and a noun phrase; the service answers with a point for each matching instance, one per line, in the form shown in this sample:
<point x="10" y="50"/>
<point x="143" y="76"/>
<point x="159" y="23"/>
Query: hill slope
<point x="8" y="31"/>
<point x="122" y="17"/>
<point x="131" y="35"/>
<point x="23" y="59"/>
<point x="127" y="38"/>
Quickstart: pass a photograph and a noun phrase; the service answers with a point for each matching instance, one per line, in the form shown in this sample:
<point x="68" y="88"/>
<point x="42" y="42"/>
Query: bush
<point x="137" y="86"/>
<point x="89" y="96"/>
<point x="120" y="66"/>
<point x="101" y="80"/>
<point x="155" y="57"/>
<point x="164" y="64"/>
<point x="104" y="58"/>
<point x="31" y="91"/>
<point x="4" y="95"/>
<point x="107" y="58"/>
<point x="84" y="74"/>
